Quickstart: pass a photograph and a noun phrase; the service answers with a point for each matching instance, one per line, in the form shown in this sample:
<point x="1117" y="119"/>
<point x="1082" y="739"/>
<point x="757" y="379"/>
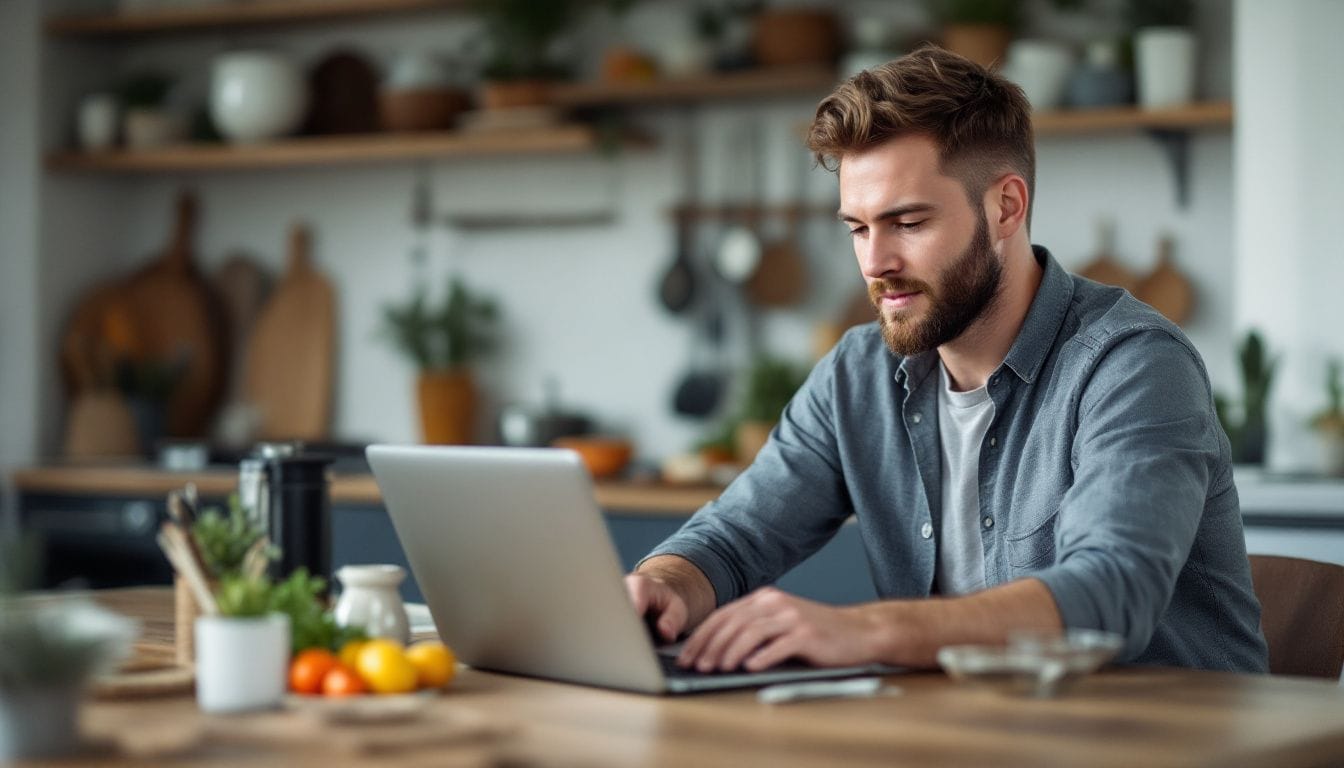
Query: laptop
<point x="519" y="572"/>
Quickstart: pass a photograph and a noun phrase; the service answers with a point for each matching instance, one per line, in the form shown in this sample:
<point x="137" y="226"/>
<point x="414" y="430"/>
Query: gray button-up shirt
<point x="1105" y="474"/>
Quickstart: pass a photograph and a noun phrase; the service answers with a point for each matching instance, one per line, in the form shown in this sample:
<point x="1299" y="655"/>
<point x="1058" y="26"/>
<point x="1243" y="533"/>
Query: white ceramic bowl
<point x="256" y="96"/>
<point x="1032" y="663"/>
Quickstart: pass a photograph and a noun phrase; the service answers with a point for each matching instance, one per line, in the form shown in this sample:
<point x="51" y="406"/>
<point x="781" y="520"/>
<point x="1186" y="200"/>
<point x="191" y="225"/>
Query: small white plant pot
<point x="97" y="123"/>
<point x="1164" y="61"/>
<point x="241" y="662"/>
<point x="370" y="600"/>
<point x="256" y="96"/>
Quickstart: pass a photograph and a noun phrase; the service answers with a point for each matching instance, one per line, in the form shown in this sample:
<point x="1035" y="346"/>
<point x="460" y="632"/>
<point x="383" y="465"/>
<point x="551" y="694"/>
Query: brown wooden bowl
<point x="604" y="456"/>
<point x="420" y="109"/>
<point x="785" y="37"/>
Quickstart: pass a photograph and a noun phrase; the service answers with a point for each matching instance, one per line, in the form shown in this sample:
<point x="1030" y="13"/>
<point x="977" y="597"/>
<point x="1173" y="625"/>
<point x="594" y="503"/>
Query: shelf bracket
<point x="1176" y="145"/>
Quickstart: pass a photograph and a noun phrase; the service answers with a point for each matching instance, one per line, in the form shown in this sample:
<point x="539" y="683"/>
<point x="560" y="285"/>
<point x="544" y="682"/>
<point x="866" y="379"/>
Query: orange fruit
<point x="384" y="666"/>
<point x="308" y="668"/>
<point x="343" y="681"/>
<point x="434" y="663"/>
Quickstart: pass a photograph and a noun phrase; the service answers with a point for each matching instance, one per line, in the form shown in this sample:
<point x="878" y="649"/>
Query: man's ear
<point x="1006" y="203"/>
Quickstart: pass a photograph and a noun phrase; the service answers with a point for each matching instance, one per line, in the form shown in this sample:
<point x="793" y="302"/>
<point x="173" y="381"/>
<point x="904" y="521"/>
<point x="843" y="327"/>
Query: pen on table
<point x="860" y="687"/>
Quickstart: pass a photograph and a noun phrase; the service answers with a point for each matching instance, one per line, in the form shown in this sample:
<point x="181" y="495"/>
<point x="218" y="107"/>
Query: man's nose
<point x="879" y="257"/>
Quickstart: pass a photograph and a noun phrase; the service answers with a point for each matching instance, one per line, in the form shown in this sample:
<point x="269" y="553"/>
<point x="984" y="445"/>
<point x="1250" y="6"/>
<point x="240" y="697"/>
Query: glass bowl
<point x="1038" y="664"/>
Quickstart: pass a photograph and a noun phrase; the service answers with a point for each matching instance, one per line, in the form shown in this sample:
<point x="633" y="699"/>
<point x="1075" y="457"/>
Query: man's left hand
<point x="768" y="626"/>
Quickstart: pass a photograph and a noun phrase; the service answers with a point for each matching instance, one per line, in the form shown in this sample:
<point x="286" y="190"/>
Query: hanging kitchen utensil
<point x="177" y="320"/>
<point x="677" y="287"/>
<point x="290" y="357"/>
<point x="700" y="391"/>
<point x="1104" y="268"/>
<point x="1165" y="288"/>
<point x="781" y="278"/>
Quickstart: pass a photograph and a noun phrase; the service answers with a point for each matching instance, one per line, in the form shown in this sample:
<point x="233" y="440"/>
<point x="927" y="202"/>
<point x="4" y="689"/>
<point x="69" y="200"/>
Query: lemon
<point x="384" y="666"/>
<point x="434" y="663"/>
<point x="349" y="653"/>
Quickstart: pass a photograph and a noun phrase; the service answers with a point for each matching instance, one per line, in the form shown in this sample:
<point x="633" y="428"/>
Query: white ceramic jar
<point x="370" y="600"/>
<point x="1164" y="60"/>
<point x="256" y="95"/>
<point x="241" y="663"/>
<point x="1042" y="68"/>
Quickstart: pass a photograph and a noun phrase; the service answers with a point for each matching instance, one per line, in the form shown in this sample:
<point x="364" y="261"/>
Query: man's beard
<point x="967" y="289"/>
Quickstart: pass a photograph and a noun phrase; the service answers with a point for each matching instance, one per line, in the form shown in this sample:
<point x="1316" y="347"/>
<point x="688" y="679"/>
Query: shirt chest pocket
<point x="1034" y="549"/>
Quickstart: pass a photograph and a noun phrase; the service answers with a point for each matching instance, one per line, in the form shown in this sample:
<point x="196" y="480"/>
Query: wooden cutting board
<point x="176" y="317"/>
<point x="1166" y="289"/>
<point x="290" y="356"/>
<point x="242" y="285"/>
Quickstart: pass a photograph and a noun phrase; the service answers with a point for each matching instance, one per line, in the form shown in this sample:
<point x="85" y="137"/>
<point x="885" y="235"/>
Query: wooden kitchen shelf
<point x="253" y="13"/>
<point x="745" y="84"/>
<point x="1184" y="118"/>
<point x="331" y="150"/>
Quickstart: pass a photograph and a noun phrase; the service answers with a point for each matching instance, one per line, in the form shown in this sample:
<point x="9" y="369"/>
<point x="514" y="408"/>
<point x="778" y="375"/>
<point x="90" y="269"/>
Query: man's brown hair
<point x="980" y="122"/>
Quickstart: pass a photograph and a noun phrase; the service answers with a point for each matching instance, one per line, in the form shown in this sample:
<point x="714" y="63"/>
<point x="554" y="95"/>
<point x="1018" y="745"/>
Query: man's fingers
<point x="638" y="588"/>
<point x="752" y="636"/>
<point x="776" y="651"/>
<point x="650" y="596"/>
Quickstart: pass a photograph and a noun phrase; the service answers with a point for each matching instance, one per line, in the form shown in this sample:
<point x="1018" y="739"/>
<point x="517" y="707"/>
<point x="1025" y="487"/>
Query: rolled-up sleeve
<point x="1143" y="455"/>
<point x="784" y="507"/>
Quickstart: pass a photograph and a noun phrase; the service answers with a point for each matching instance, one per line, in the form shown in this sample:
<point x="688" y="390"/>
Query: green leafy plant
<point x="1331" y="420"/>
<point x="1159" y="13"/>
<point x="50" y="642"/>
<point x="522" y="34"/>
<point x="299" y="597"/>
<point x="1246" y="422"/>
<point x="998" y="13"/>
<point x="225" y="541"/>
<point x="451" y="335"/>
<point x="771" y="383"/>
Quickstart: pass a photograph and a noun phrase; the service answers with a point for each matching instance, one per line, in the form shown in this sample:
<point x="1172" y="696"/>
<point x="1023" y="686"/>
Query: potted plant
<point x="148" y="123"/>
<point x="1329" y="423"/>
<point x="50" y="647"/>
<point x="1247" y="425"/>
<point x="522" y="59"/>
<point x="980" y="30"/>
<point x="1164" y="51"/>
<point x="771" y="383"/>
<point x="443" y="342"/>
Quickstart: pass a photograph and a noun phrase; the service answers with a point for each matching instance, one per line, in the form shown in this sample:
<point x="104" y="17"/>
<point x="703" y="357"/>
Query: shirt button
<point x="993" y="441"/>
<point x="994" y="379"/>
<point x="926" y="530"/>
<point x="916" y="418"/>
<point x="988" y="522"/>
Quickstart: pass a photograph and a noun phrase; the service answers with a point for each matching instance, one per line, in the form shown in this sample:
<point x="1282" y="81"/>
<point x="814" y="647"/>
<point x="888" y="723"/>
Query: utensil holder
<point x="185" y="612"/>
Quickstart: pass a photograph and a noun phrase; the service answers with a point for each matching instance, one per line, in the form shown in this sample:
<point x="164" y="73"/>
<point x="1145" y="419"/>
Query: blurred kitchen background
<point x="563" y="214"/>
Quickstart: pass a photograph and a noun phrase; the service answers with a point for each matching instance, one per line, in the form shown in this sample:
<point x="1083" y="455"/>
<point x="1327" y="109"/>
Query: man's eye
<point x="858" y="231"/>
<point x="910" y="226"/>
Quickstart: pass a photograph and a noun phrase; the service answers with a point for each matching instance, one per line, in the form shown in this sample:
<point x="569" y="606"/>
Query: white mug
<point x="97" y="122"/>
<point x="241" y="663"/>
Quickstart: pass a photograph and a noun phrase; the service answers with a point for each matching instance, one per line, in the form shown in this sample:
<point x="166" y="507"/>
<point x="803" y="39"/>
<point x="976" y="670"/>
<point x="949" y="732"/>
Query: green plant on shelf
<point x="451" y="335"/>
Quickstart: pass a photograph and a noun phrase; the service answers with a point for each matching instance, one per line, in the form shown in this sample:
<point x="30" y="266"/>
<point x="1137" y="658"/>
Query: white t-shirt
<point x="963" y="419"/>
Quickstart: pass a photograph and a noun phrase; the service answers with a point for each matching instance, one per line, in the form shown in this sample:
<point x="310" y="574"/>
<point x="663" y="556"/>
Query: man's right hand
<point x="659" y="603"/>
<point x="672" y="593"/>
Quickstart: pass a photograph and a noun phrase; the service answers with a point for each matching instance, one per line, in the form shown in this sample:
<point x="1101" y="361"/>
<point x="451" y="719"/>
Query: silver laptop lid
<point x="515" y="562"/>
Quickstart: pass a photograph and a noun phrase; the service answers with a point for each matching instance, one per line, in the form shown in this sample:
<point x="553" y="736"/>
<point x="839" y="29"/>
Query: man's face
<point x="923" y="250"/>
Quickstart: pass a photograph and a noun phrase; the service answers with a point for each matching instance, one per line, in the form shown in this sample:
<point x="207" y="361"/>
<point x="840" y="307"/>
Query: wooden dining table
<point x="1118" y="717"/>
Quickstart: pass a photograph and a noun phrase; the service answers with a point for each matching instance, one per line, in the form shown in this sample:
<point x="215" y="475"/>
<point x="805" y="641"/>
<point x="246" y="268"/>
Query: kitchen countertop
<point x="353" y="488"/>
<point x="1266" y="497"/>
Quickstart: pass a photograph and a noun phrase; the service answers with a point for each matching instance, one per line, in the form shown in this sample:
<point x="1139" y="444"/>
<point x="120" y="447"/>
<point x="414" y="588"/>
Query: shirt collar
<point x="1033" y="342"/>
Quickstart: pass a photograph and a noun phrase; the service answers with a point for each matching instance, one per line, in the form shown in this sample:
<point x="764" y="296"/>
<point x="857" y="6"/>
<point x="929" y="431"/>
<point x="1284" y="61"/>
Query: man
<point x="1021" y="448"/>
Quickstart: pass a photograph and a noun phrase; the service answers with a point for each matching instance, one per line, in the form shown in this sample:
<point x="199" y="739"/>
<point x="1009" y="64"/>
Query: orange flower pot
<point x="447" y="407"/>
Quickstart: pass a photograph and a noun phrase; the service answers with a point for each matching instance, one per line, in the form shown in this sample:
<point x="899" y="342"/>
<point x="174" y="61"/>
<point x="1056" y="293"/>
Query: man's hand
<point x="768" y="626"/>
<point x="671" y="591"/>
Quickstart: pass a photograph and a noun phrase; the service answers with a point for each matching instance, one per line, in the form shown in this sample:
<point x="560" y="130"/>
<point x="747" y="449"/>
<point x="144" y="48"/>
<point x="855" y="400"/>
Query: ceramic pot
<point x="241" y="663"/>
<point x="39" y="723"/>
<point x="97" y="124"/>
<point x="1042" y="68"/>
<point x="370" y="600"/>
<point x="256" y="95"/>
<point x="150" y="128"/>
<point x="1164" y="59"/>
<point x="447" y="407"/>
<point x="985" y="44"/>
<point x="749" y="438"/>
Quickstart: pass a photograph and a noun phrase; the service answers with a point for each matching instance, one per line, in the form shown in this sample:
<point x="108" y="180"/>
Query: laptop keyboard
<point x="670" y="668"/>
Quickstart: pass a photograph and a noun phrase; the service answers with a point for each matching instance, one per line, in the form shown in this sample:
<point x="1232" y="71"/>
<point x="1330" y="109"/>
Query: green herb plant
<point x="450" y="335"/>
<point x="299" y="597"/>
<point x="225" y="541"/>
<point x="1331" y="420"/>
<point x="522" y="36"/>
<point x="1246" y="422"/>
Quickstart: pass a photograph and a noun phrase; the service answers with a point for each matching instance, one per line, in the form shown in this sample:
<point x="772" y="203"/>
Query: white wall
<point x="580" y="303"/>
<point x="1289" y="192"/>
